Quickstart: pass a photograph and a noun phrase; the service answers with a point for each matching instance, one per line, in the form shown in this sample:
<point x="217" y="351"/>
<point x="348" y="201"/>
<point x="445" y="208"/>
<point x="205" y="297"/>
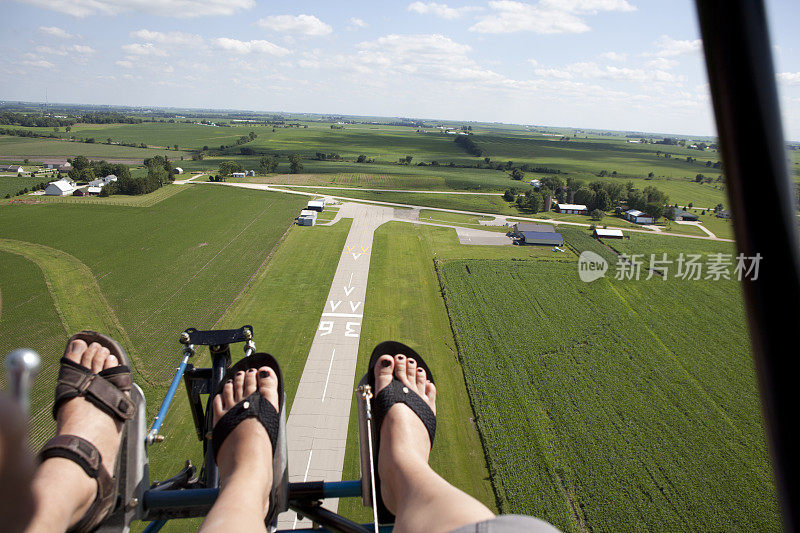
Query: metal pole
<point x="742" y="81"/>
<point x="22" y="365"/>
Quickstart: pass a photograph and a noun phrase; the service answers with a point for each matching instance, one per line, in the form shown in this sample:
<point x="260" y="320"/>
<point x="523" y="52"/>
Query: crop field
<point x="12" y="184"/>
<point x="161" y="269"/>
<point x="360" y="180"/>
<point x="580" y="156"/>
<point x="613" y="405"/>
<point x="23" y="147"/>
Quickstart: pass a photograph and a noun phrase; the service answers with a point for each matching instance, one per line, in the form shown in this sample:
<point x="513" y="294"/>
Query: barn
<point x="59" y="188"/>
<point x="177" y="170"/>
<point x="541" y="237"/>
<point x="679" y="214"/>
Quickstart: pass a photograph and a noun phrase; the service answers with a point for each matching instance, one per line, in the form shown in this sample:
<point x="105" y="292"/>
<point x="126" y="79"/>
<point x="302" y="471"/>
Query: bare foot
<point x="405" y="445"/>
<point x="245" y="458"/>
<point x="79" y="417"/>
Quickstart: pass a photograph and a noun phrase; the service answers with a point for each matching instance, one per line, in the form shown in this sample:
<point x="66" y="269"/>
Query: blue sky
<point x="613" y="64"/>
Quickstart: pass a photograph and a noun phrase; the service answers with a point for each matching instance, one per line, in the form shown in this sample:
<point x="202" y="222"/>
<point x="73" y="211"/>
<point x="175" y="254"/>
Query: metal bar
<point x="742" y="81"/>
<point x="157" y="500"/>
<point x="382" y="529"/>
<point x="162" y="411"/>
<point x="326" y="518"/>
<point x="220" y="361"/>
<point x="154" y="526"/>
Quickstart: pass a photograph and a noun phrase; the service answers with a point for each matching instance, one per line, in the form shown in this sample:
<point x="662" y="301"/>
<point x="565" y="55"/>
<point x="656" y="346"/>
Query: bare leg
<point x="62" y="490"/>
<point x="420" y="499"/>
<point x="245" y="459"/>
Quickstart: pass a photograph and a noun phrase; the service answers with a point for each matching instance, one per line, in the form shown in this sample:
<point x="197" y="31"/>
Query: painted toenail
<point x="399" y="357"/>
<point x="420" y="370"/>
<point x="263" y="373"/>
<point x="251" y="370"/>
<point x="229" y="381"/>
<point x="386" y="363"/>
<point x="405" y="390"/>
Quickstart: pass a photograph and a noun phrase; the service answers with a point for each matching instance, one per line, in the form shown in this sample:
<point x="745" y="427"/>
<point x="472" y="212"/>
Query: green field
<point x="607" y="406"/>
<point x="24" y="147"/>
<point x="161" y="269"/>
<point x="12" y="185"/>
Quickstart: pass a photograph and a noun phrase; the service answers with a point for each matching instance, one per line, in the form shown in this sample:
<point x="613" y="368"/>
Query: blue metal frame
<point x="190" y="499"/>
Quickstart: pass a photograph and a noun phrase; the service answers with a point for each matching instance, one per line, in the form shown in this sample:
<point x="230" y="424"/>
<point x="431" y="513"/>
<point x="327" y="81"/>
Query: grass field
<point x="143" y="200"/>
<point x="401" y="296"/>
<point x="24" y="147"/>
<point x="161" y="269"/>
<point x="595" y="416"/>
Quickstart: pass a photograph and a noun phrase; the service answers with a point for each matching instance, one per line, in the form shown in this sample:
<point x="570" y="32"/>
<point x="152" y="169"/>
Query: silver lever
<point x="366" y="393"/>
<point x="22" y="365"/>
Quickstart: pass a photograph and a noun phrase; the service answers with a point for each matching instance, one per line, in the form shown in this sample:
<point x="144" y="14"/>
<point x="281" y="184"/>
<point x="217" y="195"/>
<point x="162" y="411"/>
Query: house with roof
<point x="679" y="214"/>
<point x="519" y="227"/>
<point x="723" y="213"/>
<point x="638" y="217"/>
<point x="15" y="169"/>
<point x="573" y="209"/>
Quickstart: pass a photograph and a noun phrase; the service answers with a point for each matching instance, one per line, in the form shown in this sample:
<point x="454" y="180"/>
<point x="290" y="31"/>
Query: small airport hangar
<point x="547" y="238"/>
<point x="520" y="227"/>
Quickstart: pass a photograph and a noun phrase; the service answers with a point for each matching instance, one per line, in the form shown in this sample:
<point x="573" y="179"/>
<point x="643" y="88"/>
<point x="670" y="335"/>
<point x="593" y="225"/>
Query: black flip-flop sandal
<point x="393" y="393"/>
<point x="106" y="390"/>
<point x="256" y="406"/>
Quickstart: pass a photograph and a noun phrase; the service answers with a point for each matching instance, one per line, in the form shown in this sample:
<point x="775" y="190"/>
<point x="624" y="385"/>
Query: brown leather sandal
<point x="107" y="390"/>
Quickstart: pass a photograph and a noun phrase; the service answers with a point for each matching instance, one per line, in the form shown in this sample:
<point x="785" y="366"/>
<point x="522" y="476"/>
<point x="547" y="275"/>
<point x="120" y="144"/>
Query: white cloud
<point x="124" y="63"/>
<point x="81" y="49"/>
<point x="614" y="56"/>
<point x="49" y="50"/>
<point x="662" y="63"/>
<point x="545" y="17"/>
<point x="302" y="24"/>
<point x="669" y="47"/>
<point x="39" y="63"/>
<point x="431" y="56"/>
<point x="358" y="23"/>
<point x="164" y="8"/>
<point x="591" y="70"/>
<point x="250" y="47"/>
<point x="146" y="49"/>
<point x="54" y="31"/>
<point x="533" y="62"/>
<point x="789" y="78"/>
<point x="174" y="38"/>
<point x="440" y="10"/>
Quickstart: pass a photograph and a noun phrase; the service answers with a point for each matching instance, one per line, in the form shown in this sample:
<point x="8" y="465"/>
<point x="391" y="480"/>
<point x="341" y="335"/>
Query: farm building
<point x="16" y="169"/>
<point x="724" y="213"/>
<point x="59" y="188"/>
<point x="536" y="183"/>
<point x="64" y="167"/>
<point x="177" y="170"/>
<point x="251" y="173"/>
<point x="81" y="192"/>
<point x="541" y="237"/>
<point x="600" y="233"/>
<point x="520" y="227"/>
<point x="573" y="209"/>
<point x="678" y="214"/>
<point x="238" y="174"/>
<point x="316" y="205"/>
<point x="94" y="190"/>
<point x="637" y="217"/>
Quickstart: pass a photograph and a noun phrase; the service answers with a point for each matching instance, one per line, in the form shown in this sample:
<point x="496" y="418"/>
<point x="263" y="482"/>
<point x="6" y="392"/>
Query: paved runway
<point x="317" y="424"/>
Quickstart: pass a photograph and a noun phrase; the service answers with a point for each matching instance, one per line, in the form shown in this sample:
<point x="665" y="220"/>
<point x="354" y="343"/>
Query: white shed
<point x="238" y="174"/>
<point x="177" y="170"/>
<point x="306" y="221"/>
<point x="316" y="205"/>
<point x="574" y="209"/>
<point x="59" y="188"/>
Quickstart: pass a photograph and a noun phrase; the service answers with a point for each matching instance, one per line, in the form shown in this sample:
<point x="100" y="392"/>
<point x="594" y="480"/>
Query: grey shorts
<point x="510" y="523"/>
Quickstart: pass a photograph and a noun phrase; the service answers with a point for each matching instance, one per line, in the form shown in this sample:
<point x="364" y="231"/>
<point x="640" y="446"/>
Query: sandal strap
<point x="254" y="406"/>
<point x="396" y="392"/>
<point x="87" y="456"/>
<point x="106" y="390"/>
